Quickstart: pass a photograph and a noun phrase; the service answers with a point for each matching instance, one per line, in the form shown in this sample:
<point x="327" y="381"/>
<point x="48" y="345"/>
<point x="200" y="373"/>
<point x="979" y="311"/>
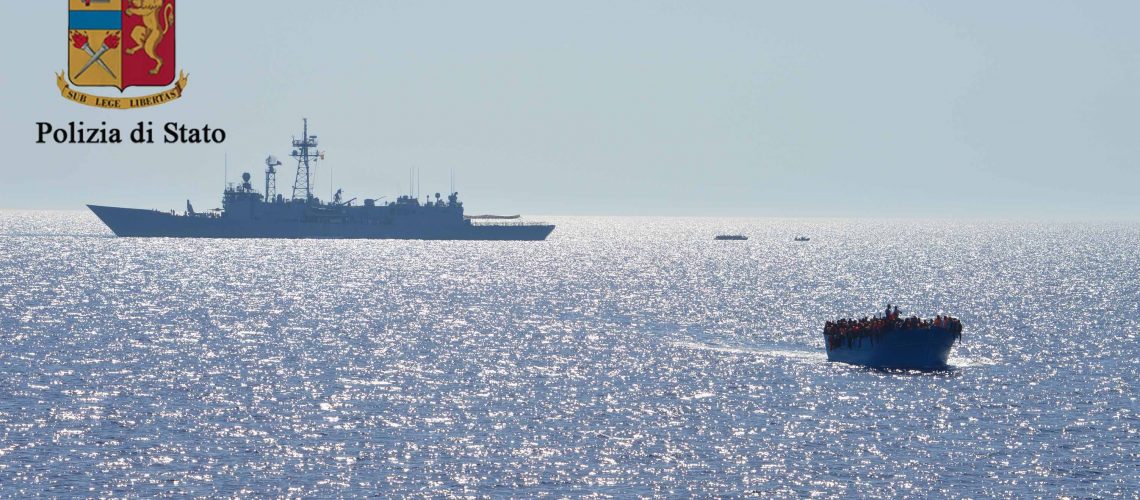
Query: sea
<point x="622" y="357"/>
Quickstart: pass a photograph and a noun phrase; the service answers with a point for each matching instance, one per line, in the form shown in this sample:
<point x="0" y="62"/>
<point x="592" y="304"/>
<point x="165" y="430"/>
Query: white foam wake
<point x="755" y="351"/>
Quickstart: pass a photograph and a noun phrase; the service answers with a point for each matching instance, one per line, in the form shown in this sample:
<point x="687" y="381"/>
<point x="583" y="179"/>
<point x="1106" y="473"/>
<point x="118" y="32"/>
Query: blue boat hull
<point x="919" y="349"/>
<point x="133" y="222"/>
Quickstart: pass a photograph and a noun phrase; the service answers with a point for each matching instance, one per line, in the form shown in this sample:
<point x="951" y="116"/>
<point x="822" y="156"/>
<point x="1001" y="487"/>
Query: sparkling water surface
<point x="622" y="357"/>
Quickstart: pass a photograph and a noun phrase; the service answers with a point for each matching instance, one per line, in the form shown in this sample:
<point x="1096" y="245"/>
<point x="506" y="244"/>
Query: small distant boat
<point x="802" y="238"/>
<point x="733" y="237"/>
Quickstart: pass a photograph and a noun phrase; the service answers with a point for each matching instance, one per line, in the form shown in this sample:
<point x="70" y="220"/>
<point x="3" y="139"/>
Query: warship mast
<point x="305" y="150"/>
<point x="271" y="165"/>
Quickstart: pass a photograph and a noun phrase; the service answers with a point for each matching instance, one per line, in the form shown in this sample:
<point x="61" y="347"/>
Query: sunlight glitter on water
<point x="624" y="356"/>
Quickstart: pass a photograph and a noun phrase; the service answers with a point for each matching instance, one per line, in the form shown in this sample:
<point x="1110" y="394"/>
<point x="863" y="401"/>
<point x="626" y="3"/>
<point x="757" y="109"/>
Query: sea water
<point x="623" y="356"/>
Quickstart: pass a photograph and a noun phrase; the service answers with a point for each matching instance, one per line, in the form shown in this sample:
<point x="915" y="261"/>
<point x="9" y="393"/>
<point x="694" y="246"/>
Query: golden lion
<point x="148" y="36"/>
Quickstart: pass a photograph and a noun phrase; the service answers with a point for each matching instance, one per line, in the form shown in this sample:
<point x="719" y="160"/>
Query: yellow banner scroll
<point x="97" y="101"/>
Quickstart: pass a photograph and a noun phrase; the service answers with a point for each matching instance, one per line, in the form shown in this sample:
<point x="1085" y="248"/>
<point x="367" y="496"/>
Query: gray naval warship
<point x="246" y="213"/>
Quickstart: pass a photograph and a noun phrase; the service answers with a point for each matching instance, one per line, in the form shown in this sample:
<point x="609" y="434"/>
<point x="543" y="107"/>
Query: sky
<point x="717" y="108"/>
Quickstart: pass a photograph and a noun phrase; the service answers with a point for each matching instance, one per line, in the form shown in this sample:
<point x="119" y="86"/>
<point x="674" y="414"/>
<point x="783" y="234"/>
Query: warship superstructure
<point x="247" y="213"/>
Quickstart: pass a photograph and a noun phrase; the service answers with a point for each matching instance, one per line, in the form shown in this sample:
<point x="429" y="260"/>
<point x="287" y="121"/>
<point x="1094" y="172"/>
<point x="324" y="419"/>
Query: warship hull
<point x="917" y="349"/>
<point x="139" y="223"/>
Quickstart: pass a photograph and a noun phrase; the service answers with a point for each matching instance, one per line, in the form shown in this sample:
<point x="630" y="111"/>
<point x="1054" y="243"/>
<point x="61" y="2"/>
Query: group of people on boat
<point x="890" y="320"/>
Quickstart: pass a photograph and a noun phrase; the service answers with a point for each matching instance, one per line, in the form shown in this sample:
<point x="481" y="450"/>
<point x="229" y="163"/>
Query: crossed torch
<point x="79" y="40"/>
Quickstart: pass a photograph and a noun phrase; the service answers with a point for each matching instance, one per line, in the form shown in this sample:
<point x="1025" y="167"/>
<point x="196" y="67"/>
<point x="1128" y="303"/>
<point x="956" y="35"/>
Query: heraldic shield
<point x="121" y="43"/>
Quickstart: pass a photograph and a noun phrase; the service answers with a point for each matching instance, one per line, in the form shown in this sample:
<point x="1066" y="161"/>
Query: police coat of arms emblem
<point x="121" y="44"/>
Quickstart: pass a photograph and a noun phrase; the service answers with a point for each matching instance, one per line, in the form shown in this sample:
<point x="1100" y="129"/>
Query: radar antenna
<point x="305" y="151"/>
<point x="271" y="164"/>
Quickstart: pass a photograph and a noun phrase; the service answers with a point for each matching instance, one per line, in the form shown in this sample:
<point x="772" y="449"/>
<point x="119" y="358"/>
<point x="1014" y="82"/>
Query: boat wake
<point x="768" y="352"/>
<point x="970" y="362"/>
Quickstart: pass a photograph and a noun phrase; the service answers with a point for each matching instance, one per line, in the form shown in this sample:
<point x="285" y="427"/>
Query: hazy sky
<point x="896" y="108"/>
